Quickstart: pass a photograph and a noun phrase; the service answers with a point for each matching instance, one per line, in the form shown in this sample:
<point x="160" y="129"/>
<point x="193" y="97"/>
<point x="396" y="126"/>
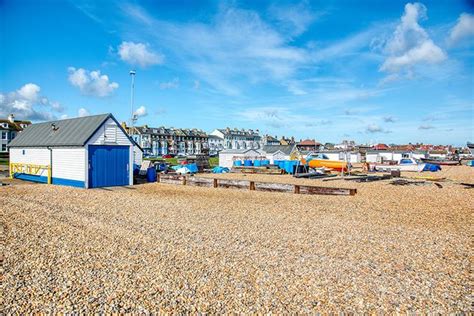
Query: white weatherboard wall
<point x="35" y="156"/>
<point x="69" y="163"/>
<point x="277" y="156"/>
<point x="227" y="159"/>
<point x="110" y="134"/>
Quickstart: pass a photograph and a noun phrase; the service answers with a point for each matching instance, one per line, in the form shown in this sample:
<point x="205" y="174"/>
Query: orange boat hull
<point x="320" y="163"/>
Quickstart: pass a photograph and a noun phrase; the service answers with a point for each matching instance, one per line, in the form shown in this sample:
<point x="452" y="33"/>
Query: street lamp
<point x="132" y="118"/>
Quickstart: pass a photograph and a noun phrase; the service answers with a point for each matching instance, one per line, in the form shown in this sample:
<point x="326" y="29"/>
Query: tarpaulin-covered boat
<point x="444" y="162"/>
<point x="405" y="164"/>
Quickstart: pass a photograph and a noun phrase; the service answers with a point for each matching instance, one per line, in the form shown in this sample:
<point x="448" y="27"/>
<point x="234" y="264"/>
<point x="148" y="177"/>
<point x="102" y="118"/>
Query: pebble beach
<point x="168" y="248"/>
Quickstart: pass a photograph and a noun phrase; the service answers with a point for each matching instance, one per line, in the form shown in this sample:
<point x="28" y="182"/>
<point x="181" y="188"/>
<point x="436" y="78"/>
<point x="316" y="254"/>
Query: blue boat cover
<point x="431" y="167"/>
<point x="219" y="169"/>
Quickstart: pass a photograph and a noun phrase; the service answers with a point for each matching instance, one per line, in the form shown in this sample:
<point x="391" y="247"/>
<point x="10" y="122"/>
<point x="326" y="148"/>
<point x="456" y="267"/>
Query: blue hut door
<point x="108" y="166"/>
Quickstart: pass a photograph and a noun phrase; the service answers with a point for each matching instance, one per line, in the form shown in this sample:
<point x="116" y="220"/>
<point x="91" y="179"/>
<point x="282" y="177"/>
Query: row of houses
<point x="162" y="140"/>
<point x="158" y="141"/>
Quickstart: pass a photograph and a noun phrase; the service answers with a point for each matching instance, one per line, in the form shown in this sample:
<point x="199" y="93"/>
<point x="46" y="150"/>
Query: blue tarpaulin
<point x="220" y="170"/>
<point x="431" y="167"/>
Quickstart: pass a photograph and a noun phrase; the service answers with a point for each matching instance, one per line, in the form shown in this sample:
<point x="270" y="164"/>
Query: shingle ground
<point x="160" y="247"/>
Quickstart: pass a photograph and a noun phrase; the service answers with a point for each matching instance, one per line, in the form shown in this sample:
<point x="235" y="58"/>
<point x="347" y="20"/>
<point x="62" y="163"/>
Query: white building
<point x="86" y="152"/>
<point x="394" y="155"/>
<point x="269" y="140"/>
<point x="228" y="156"/>
<point x="277" y="152"/>
<point x="9" y="128"/>
<point x="346" y="145"/>
<point x="238" y="139"/>
<point x="342" y="155"/>
<point x="215" y="144"/>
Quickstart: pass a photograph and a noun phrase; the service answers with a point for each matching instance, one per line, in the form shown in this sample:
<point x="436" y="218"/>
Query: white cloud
<point x="236" y="44"/>
<point x="294" y="88"/>
<point x="83" y="112"/>
<point x="29" y="92"/>
<point x="426" y="52"/>
<point x="141" y="111"/>
<point x="173" y="84"/>
<point x="139" y="54"/>
<point x="279" y="117"/>
<point x="374" y="128"/>
<point x="91" y="82"/>
<point x="410" y="44"/>
<point x="296" y="18"/>
<point x="389" y="119"/>
<point x="426" y="126"/>
<point x="27" y="103"/>
<point x="464" y="28"/>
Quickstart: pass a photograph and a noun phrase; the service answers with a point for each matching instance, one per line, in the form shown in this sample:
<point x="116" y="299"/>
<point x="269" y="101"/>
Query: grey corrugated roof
<point x="286" y="149"/>
<point x="70" y="132"/>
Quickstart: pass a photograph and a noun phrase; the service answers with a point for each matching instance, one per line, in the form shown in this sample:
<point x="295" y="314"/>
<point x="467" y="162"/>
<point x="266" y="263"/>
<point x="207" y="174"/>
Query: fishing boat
<point x="321" y="160"/>
<point x="444" y="162"/>
<point x="405" y="164"/>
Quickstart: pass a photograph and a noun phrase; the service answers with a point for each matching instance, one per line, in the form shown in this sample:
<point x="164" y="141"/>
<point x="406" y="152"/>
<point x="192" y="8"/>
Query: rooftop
<point x="69" y="132"/>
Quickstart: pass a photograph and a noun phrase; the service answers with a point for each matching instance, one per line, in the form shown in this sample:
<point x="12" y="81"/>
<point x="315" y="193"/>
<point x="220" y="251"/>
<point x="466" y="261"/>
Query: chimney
<point x="11" y="118"/>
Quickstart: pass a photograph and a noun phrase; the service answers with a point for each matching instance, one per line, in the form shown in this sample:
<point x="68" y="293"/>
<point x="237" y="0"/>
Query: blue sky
<point x="371" y="71"/>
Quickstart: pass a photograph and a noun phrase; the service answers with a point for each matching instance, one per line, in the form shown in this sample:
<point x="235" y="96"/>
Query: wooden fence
<point x="253" y="185"/>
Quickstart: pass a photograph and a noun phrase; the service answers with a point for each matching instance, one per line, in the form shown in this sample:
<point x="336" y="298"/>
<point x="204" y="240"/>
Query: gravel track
<point x="169" y="248"/>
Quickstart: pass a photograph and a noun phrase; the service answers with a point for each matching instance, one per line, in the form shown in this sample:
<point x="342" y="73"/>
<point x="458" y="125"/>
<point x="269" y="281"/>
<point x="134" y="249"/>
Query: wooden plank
<point x="326" y="190"/>
<point x="273" y="187"/>
<point x="236" y="184"/>
<point x="252" y="185"/>
<point x="171" y="181"/>
<point x="200" y="182"/>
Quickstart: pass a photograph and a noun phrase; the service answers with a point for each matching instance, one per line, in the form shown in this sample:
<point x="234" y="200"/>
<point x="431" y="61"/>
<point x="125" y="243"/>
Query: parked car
<point x="167" y="156"/>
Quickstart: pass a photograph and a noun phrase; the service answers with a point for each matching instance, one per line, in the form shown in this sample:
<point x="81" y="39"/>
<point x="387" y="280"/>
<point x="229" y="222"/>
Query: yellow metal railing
<point x="29" y="169"/>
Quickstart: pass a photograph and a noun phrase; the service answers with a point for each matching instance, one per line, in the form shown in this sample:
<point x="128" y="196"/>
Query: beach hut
<point x="229" y="157"/>
<point x="87" y="152"/>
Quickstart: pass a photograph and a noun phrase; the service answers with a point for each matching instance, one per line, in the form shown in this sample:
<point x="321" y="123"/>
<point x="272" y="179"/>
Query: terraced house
<point x="9" y="128"/>
<point x="238" y="139"/>
<point x="162" y="140"/>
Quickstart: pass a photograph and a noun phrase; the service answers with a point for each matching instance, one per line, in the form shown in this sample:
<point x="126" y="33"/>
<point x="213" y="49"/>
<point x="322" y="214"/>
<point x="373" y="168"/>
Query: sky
<point x="369" y="71"/>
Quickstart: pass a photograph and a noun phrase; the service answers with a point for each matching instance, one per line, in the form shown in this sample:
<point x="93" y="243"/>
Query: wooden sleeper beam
<point x="253" y="186"/>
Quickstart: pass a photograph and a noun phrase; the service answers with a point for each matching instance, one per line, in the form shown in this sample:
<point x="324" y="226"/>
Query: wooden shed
<point x="86" y="152"/>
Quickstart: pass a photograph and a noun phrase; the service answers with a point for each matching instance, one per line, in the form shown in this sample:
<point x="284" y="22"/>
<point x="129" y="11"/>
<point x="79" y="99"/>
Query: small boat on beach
<point x="321" y="160"/>
<point x="444" y="162"/>
<point x="405" y="164"/>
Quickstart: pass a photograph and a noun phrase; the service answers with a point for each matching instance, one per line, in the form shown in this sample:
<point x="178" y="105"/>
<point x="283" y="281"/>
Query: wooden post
<point x="215" y="183"/>
<point x="157" y="177"/>
<point x="297" y="189"/>
<point x="184" y="180"/>
<point x="49" y="175"/>
<point x="252" y="186"/>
